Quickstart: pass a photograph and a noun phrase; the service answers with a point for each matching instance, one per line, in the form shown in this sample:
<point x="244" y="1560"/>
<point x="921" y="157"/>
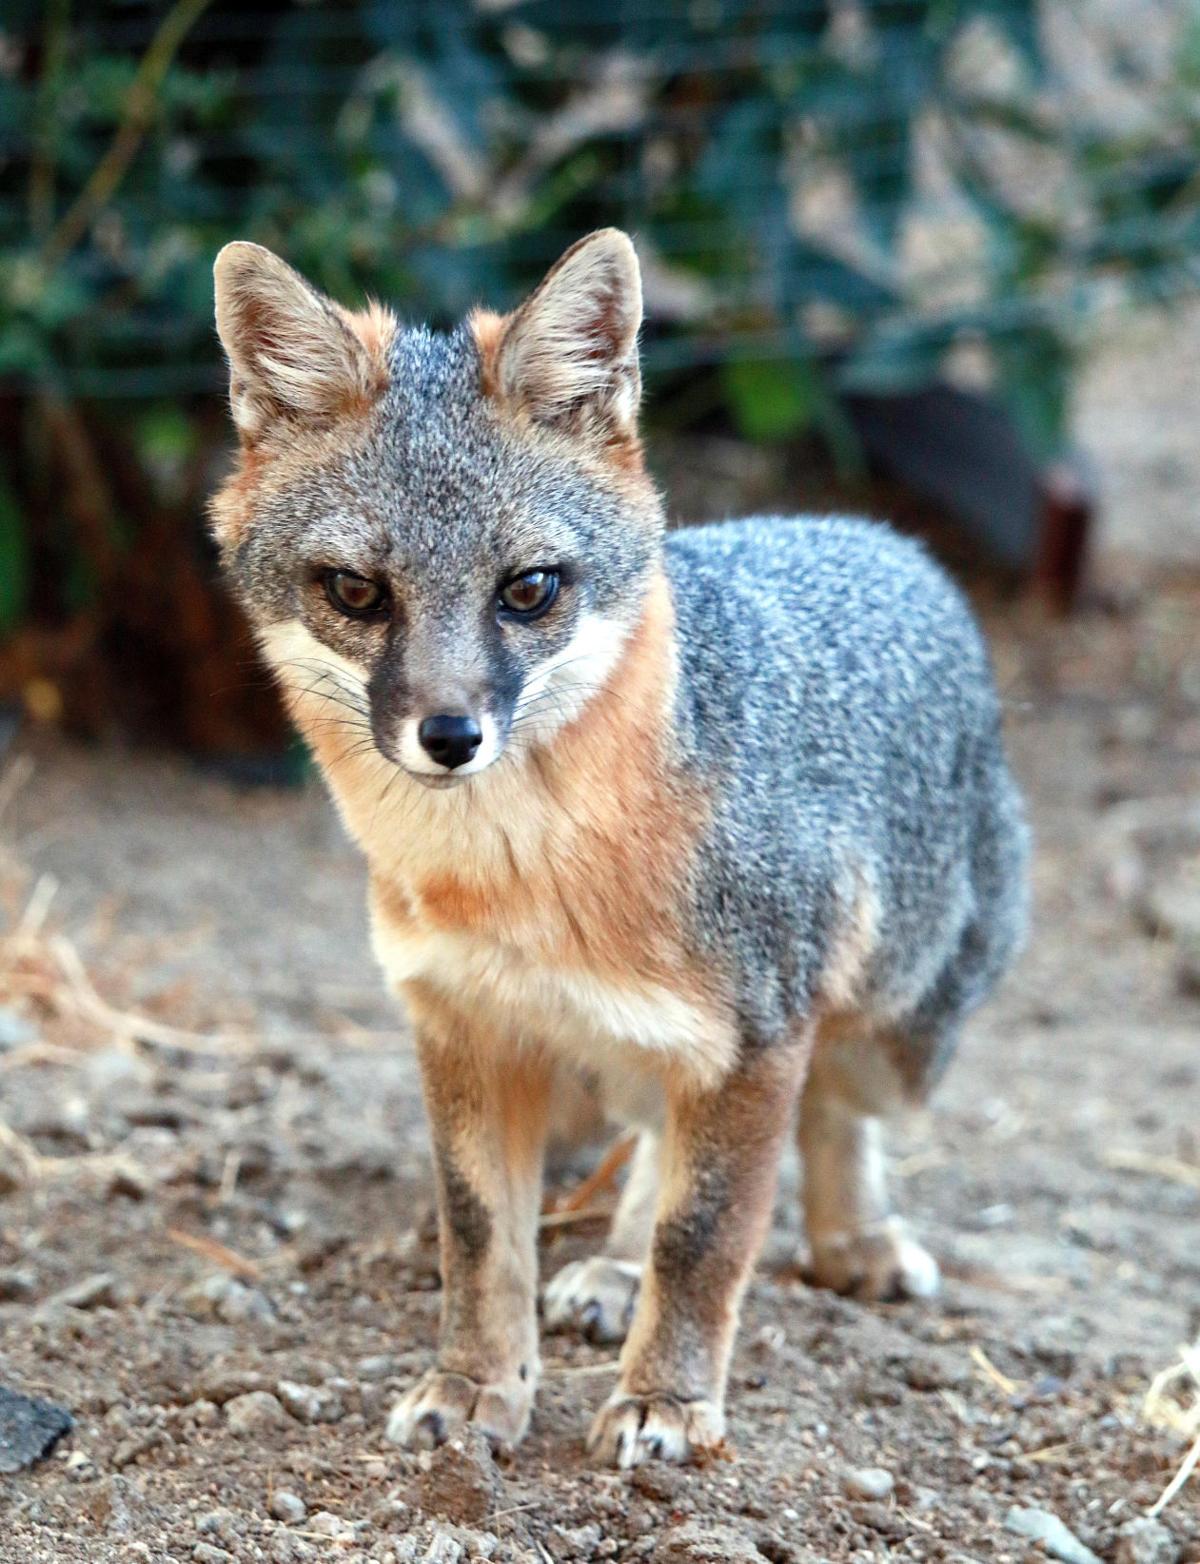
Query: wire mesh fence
<point x="830" y="197"/>
<point x="860" y="184"/>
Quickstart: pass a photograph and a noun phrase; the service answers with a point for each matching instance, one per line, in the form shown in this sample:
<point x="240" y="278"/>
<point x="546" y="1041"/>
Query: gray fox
<point x="716" y="820"/>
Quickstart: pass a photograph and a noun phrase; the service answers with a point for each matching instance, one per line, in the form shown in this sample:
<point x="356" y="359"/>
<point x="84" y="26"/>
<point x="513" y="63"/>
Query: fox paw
<point x="880" y="1264"/>
<point x="595" y="1297"/>
<point x="439" y="1405"/>
<point x="630" y="1430"/>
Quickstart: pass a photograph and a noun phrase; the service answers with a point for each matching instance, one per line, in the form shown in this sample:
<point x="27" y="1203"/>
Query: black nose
<point x="451" y="741"/>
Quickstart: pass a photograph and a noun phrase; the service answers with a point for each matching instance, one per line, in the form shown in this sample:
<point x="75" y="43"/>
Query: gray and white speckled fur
<point x="836" y="683"/>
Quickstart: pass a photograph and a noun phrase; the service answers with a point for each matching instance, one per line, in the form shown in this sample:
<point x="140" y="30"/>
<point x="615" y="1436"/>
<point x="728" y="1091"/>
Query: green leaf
<point x="770" y="399"/>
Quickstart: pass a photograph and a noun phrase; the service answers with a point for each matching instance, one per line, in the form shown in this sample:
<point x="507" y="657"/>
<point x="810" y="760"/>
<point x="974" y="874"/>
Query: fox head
<point x="442" y="540"/>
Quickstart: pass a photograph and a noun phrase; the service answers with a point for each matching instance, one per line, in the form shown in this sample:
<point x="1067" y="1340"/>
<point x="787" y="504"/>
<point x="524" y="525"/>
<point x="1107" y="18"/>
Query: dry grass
<point x="1166" y="1407"/>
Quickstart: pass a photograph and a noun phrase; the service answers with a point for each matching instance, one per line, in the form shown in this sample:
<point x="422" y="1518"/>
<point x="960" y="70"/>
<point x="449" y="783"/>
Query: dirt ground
<point x="218" y="1254"/>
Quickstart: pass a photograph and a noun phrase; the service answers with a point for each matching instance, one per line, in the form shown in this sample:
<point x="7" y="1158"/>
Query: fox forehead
<point x="433" y="483"/>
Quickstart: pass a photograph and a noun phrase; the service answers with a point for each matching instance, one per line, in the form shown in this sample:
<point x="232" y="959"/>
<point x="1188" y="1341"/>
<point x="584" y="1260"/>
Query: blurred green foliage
<point x="827" y="196"/>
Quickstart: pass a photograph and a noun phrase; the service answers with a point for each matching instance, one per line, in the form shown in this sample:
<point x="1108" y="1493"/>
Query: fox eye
<point x="530" y="594"/>
<point x="354" y="595"/>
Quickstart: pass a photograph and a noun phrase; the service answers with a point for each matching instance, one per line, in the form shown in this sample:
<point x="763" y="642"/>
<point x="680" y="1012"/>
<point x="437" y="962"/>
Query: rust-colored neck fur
<point x="583" y="859"/>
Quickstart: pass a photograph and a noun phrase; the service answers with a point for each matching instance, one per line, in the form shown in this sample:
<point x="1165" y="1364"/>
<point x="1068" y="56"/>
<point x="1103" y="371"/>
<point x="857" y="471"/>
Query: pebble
<point x="325" y="1524"/>
<point x="17" y="1284"/>
<point x="93" y="1292"/>
<point x="257" y="1409"/>
<point x="1187" y="969"/>
<point x="128" y="1179"/>
<point x="287" y="1549"/>
<point x="460" y="1481"/>
<point x="1058" y="1541"/>
<point x="15" y="1030"/>
<point x="29" y="1429"/>
<point x="287" y="1506"/>
<point x="869" y="1482"/>
<point x="936" y="1370"/>
<point x="221" y="1524"/>
<point x="201" y="1414"/>
<point x="697" y="1543"/>
<point x="575" y="1543"/>
<point x="227" y="1299"/>
<point x="1171" y="906"/>
<point x="135" y="1445"/>
<point x="375" y="1368"/>
<point x="221" y="1385"/>
<point x="1145" y="1541"/>
<point x="207" y="1553"/>
<point x="311" y="1403"/>
<point x="80" y="1467"/>
<point x="14" y="1171"/>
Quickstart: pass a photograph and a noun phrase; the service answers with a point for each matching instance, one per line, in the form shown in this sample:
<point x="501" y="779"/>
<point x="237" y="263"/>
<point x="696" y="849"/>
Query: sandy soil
<point x="1057" y="1178"/>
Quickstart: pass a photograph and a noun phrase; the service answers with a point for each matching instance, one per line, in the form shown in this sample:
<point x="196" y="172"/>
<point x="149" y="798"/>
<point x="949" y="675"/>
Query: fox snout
<point x="448" y="740"/>
<point x="446" y="746"/>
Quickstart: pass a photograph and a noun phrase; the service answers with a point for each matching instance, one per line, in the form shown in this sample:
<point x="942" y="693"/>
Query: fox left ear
<point x="568" y="356"/>
<point x="293" y="354"/>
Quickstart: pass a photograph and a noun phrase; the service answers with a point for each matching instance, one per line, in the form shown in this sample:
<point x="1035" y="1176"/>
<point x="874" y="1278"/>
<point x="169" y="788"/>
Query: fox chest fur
<point x="550" y="902"/>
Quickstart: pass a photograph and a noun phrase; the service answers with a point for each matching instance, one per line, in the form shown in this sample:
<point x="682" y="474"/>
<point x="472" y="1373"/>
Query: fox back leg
<point x="857" y="1244"/>
<point x="597" y="1296"/>
<point x="862" y="1070"/>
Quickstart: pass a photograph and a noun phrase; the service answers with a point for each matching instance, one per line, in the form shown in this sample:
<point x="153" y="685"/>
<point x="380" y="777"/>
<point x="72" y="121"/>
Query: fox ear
<point x="293" y="353"/>
<point x="568" y="356"/>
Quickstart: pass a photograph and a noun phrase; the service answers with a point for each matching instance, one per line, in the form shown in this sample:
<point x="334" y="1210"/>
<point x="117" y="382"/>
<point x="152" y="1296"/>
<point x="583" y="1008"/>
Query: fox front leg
<point x="487" y="1109"/>
<point x="720" y="1158"/>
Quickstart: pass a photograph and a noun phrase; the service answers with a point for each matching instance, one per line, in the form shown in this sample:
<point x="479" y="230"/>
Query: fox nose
<point x="451" y="741"/>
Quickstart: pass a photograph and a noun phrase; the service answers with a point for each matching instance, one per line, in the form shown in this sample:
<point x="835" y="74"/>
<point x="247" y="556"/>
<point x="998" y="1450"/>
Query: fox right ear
<point x="568" y="356"/>
<point x="293" y="354"/>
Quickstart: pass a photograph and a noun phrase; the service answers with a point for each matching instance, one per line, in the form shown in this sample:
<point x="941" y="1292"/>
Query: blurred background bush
<point x="872" y="228"/>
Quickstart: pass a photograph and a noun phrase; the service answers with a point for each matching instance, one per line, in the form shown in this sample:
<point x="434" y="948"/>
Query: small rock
<point x="129" y="1180"/>
<point x="936" y="1370"/>
<point x="311" y="1403"/>
<point x="869" y="1482"/>
<point x="443" y="1549"/>
<point x="287" y="1549"/>
<point x="391" y="1513"/>
<point x="17" y="1284"/>
<point x="136" y="1444"/>
<point x="460" y="1481"/>
<point x="29" y="1429"/>
<point x="659" y="1481"/>
<point x="575" y="1542"/>
<point x="223" y="1384"/>
<point x="287" y="1506"/>
<point x="1145" y="1541"/>
<point x="207" y="1553"/>
<point x="770" y="1340"/>
<point x="221" y="1524"/>
<point x="80" y="1467"/>
<point x="256" y="1410"/>
<point x="1171" y="906"/>
<point x="202" y="1414"/>
<point x="14" y="1171"/>
<point x="227" y="1299"/>
<point x="1058" y="1541"/>
<point x="1187" y="969"/>
<point x="93" y="1292"/>
<point x="325" y="1524"/>
<point x="376" y="1368"/>
<point x="15" y="1030"/>
<point x="698" y="1543"/>
<point x="883" y="1518"/>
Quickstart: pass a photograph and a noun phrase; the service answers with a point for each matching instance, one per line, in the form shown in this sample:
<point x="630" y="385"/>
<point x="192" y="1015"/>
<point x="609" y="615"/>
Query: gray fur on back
<point x="837" y="693"/>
